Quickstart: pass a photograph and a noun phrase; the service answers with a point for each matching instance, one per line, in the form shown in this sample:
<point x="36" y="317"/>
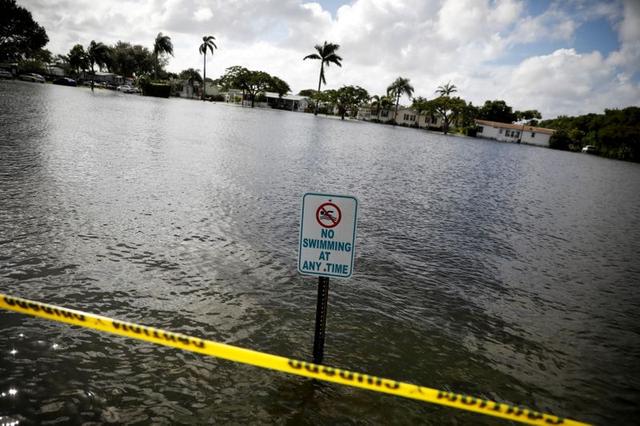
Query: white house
<point x="507" y="132"/>
<point x="289" y="102"/>
<point x="405" y="116"/>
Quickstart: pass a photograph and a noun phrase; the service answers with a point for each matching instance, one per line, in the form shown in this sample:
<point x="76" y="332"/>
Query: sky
<point x="560" y="57"/>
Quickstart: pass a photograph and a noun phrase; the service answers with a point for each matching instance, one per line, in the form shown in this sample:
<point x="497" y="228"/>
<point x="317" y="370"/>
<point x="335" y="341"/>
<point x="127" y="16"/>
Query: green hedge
<point x="157" y="90"/>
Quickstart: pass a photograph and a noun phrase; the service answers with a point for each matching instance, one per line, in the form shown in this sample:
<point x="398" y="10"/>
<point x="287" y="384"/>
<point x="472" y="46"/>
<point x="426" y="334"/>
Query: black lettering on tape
<point x="328" y="371"/>
<point x="168" y="337"/>
<point x="554" y="421"/>
<point x="311" y="368"/>
<point x="534" y="415"/>
<point x="448" y="395"/>
<point x="347" y="375"/>
<point x="516" y="411"/>
<point x="295" y="364"/>
<point x="9" y="301"/>
<point x="468" y="400"/>
<point x="392" y="384"/>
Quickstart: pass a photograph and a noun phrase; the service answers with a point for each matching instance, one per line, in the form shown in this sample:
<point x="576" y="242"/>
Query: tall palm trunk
<point x="93" y="76"/>
<point x="315" y="112"/>
<point x="204" y="73"/>
<point x="395" y="114"/>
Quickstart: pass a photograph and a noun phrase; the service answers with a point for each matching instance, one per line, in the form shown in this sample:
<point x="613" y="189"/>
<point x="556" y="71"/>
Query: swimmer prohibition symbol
<point x="328" y="215"/>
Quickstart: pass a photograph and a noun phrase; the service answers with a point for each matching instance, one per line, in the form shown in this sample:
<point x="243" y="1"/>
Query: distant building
<point x="103" y="77"/>
<point x="289" y="102"/>
<point x="507" y="132"/>
<point x="405" y="117"/>
<point x="54" y="70"/>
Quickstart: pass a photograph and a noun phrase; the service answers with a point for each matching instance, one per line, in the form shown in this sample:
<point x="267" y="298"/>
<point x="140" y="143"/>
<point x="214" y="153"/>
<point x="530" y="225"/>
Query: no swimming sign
<point x="327" y="235"/>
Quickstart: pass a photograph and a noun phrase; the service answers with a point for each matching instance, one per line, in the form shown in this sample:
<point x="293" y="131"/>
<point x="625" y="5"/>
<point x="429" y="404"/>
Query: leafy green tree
<point x="123" y="60"/>
<point x="192" y="76"/>
<point x="616" y="133"/>
<point x="20" y="36"/>
<point x="326" y="54"/>
<point x="255" y="83"/>
<point x="381" y="103"/>
<point x="326" y="101"/>
<point x="448" y="109"/>
<point x="161" y="46"/>
<point x="348" y="98"/>
<point x="207" y="44"/>
<point x="467" y="119"/>
<point x="560" y="140"/>
<point x="78" y="60"/>
<point x="421" y="105"/>
<point x="279" y="86"/>
<point x="97" y="54"/>
<point x="401" y="86"/>
<point x="307" y="92"/>
<point x="530" y="116"/>
<point x="497" y="110"/>
<point x="250" y="82"/>
<point x="446" y="89"/>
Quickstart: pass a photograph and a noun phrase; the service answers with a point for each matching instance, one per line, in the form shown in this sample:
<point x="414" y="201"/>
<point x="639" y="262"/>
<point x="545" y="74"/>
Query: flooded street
<point x="491" y="269"/>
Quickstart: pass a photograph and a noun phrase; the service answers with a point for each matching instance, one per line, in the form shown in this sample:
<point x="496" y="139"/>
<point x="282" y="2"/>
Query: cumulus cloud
<point x="471" y="43"/>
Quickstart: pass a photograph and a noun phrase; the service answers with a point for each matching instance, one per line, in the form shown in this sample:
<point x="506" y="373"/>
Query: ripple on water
<point x="492" y="269"/>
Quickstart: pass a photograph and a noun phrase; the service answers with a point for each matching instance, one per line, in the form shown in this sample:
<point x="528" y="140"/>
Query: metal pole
<point x="321" y="319"/>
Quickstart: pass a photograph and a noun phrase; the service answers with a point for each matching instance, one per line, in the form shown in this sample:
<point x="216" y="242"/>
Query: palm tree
<point x="421" y="105"/>
<point x="207" y="44"/>
<point x="446" y="89"/>
<point x="380" y="103"/>
<point x="327" y="55"/>
<point x="398" y="88"/>
<point x="161" y="46"/>
<point x="97" y="54"/>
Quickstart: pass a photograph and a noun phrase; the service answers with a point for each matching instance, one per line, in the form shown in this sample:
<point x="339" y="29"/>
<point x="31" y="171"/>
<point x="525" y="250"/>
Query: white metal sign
<point x="327" y="235"/>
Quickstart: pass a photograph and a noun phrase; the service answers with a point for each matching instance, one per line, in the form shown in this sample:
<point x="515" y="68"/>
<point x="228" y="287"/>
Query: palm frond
<point x="312" y="56"/>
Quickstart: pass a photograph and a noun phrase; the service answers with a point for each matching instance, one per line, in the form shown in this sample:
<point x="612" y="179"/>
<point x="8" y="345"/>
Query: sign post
<point x="327" y="249"/>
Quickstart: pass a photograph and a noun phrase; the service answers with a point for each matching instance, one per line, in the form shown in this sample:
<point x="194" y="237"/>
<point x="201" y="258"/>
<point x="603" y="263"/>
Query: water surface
<point x="491" y="269"/>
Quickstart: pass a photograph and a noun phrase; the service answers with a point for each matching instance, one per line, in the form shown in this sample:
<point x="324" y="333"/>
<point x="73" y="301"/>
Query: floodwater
<point x="491" y="269"/>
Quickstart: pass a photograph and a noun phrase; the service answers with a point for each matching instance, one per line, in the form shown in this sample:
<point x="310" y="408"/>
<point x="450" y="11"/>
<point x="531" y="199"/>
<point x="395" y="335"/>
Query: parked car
<point x="64" y="81"/>
<point x="125" y="88"/>
<point x="36" y="78"/>
<point x="589" y="149"/>
<point x="5" y="74"/>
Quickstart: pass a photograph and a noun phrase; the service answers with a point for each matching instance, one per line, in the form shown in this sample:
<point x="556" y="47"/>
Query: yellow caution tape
<point x="278" y="363"/>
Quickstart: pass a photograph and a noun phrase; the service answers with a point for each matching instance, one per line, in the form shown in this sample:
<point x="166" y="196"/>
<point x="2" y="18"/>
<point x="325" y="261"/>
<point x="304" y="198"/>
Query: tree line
<point x="615" y="134"/>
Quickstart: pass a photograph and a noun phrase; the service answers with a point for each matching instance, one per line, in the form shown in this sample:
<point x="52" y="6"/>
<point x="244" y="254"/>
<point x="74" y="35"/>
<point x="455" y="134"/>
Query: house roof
<point x="520" y="127"/>
<point x="290" y="97"/>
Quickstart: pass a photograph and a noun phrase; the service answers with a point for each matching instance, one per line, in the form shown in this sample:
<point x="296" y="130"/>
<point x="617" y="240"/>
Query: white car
<point x="125" y="88"/>
<point x="36" y="78"/>
<point x="5" y="74"/>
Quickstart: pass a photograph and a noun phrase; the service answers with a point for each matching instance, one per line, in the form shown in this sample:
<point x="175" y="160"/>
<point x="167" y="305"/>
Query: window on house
<point x="433" y="120"/>
<point x="500" y="131"/>
<point x="516" y="134"/>
<point x="480" y="129"/>
<point x="384" y="113"/>
<point x="507" y="133"/>
<point x="533" y="134"/>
